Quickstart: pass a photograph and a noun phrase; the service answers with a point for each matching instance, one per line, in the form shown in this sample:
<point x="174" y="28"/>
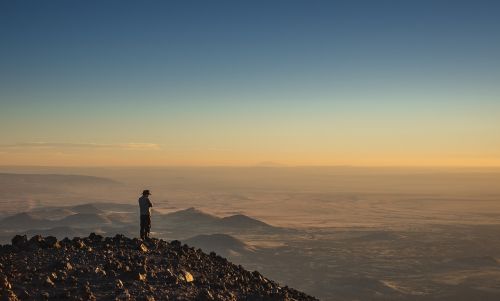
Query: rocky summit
<point x="120" y="268"/>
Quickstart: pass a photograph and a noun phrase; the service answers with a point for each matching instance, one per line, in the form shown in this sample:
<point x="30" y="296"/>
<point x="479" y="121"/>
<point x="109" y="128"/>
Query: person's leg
<point x="143" y="227"/>
<point x="148" y="225"/>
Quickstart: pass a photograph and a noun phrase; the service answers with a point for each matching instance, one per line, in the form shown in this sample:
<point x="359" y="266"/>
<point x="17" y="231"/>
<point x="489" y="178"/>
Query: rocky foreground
<point x="120" y="268"/>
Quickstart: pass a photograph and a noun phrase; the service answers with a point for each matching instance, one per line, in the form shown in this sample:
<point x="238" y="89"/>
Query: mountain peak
<point x="192" y="214"/>
<point x="242" y="221"/>
<point x="98" y="268"/>
<point x="86" y="208"/>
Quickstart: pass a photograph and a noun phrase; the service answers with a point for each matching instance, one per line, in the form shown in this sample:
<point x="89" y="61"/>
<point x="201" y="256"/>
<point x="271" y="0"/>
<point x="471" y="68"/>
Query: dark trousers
<point x="145" y="225"/>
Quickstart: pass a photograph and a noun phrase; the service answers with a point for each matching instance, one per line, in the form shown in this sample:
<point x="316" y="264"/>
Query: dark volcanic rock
<point x="19" y="241"/>
<point x="119" y="268"/>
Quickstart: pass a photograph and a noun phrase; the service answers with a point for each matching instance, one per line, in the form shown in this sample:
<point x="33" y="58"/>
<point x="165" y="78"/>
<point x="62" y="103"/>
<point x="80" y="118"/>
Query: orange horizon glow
<point x="151" y="158"/>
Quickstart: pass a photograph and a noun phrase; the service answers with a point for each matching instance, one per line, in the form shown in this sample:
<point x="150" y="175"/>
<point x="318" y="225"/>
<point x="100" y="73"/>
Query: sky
<point x="159" y="83"/>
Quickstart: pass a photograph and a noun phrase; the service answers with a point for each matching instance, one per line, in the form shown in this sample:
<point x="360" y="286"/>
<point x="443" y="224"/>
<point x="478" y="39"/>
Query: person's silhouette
<point x="145" y="208"/>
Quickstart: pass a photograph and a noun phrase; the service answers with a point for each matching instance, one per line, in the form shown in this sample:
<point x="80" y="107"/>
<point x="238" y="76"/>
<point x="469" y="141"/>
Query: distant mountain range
<point x="123" y="218"/>
<point x="208" y="223"/>
<point x="23" y="221"/>
<point x="52" y="179"/>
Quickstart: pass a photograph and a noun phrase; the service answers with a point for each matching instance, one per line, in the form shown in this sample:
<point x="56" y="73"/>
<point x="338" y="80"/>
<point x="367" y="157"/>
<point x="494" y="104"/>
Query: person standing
<point x="145" y="208"/>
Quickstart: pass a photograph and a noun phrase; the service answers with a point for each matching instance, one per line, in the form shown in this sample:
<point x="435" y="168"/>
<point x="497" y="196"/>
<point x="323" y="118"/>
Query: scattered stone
<point x="78" y="243"/>
<point x="8" y="295"/>
<point x="24" y="295"/>
<point x="45" y="295"/>
<point x="100" y="272"/>
<point x="95" y="237"/>
<point x="143" y="248"/>
<point x="186" y="276"/>
<point x="52" y="242"/>
<point x="36" y="242"/>
<point x="120" y="268"/>
<point x="68" y="266"/>
<point x="123" y="296"/>
<point x="49" y="282"/>
<point x="19" y="240"/>
<point x="4" y="283"/>
<point x="205" y="294"/>
<point x="141" y="277"/>
<point x="118" y="284"/>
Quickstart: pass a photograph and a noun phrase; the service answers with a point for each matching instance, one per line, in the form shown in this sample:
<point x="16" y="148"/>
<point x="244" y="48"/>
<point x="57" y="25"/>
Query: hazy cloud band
<point x="59" y="145"/>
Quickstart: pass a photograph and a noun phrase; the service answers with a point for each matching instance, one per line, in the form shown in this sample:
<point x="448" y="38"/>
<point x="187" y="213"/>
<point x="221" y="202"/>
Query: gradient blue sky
<point x="233" y="82"/>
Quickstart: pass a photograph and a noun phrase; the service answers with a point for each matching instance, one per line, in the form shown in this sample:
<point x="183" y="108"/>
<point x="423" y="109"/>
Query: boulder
<point x="19" y="241"/>
<point x="4" y="283"/>
<point x="186" y="276"/>
<point x="52" y="242"/>
<point x="143" y="248"/>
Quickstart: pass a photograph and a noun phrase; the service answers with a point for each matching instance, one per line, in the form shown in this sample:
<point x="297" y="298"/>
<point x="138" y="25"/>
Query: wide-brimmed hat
<point x="144" y="192"/>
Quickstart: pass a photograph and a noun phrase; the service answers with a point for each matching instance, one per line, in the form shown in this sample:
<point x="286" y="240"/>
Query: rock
<point x="64" y="295"/>
<point x="118" y="238"/>
<point x="45" y="295"/>
<point x="78" y="243"/>
<point x="123" y="296"/>
<point x="100" y="272"/>
<point x="53" y="275"/>
<point x="118" y="284"/>
<point x="186" y="276"/>
<point x="205" y="295"/>
<point x="175" y="243"/>
<point x="4" y="283"/>
<point x="51" y="242"/>
<point x="19" y="241"/>
<point x="141" y="277"/>
<point x="95" y="237"/>
<point x="8" y="295"/>
<point x="49" y="282"/>
<point x="36" y="242"/>
<point x="131" y="269"/>
<point x="24" y="294"/>
<point x="90" y="296"/>
<point x="68" y="266"/>
<point x="143" y="248"/>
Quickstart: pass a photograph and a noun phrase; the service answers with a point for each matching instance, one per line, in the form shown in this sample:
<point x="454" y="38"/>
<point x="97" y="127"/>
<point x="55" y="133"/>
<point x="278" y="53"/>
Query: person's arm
<point x="150" y="204"/>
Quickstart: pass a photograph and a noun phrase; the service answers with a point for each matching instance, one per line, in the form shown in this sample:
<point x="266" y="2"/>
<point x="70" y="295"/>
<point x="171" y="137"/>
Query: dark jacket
<point x="145" y="205"/>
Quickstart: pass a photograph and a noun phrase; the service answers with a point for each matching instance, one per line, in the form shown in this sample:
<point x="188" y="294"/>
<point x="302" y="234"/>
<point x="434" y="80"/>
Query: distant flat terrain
<point x="335" y="233"/>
